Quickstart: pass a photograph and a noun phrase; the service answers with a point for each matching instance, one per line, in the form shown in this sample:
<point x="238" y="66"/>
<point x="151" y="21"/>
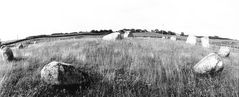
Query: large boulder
<point x="191" y="40"/>
<point x="224" y="51"/>
<point x="128" y="34"/>
<point x="210" y="64"/>
<point x="113" y="36"/>
<point x="205" y="42"/>
<point x="7" y="54"/>
<point x="59" y="73"/>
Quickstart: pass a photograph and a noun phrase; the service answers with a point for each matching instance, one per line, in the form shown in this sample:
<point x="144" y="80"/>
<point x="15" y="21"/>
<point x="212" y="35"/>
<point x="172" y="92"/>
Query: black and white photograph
<point x="119" y="48"/>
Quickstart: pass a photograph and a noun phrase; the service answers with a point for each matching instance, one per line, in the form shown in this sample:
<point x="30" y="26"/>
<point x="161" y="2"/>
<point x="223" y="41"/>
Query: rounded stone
<point x="210" y="64"/>
<point x="224" y="51"/>
<point x="59" y="73"/>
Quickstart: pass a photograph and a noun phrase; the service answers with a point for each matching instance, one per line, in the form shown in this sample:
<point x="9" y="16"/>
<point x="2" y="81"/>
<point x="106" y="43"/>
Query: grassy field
<point x="135" y="67"/>
<point x="234" y="44"/>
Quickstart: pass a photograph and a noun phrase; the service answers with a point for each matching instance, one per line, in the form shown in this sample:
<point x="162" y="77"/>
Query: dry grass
<point x="138" y="67"/>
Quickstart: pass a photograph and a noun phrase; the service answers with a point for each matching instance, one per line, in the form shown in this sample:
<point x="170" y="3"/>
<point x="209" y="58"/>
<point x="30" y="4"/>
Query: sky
<point x="22" y="18"/>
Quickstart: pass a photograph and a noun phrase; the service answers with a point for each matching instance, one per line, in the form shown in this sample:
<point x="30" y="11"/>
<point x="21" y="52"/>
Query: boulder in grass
<point x="59" y="73"/>
<point x="128" y="34"/>
<point x="205" y="42"/>
<point x="224" y="51"/>
<point x="7" y="54"/>
<point x="191" y="40"/>
<point x="210" y="64"/>
<point x="173" y="38"/>
<point x="113" y="36"/>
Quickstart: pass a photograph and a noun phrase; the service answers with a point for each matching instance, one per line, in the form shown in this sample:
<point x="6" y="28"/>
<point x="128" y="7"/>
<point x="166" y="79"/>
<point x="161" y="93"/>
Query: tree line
<point x="122" y="30"/>
<point x="103" y="32"/>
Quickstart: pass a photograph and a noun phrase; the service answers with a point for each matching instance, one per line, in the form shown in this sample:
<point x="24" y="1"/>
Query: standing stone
<point x="212" y="63"/>
<point x="113" y="36"/>
<point x="59" y="73"/>
<point x="128" y="34"/>
<point x="7" y="54"/>
<point x="205" y="42"/>
<point x="173" y="38"/>
<point x="224" y="51"/>
<point x="191" y="40"/>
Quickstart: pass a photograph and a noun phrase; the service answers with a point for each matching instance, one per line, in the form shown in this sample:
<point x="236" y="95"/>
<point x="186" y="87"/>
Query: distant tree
<point x="157" y="31"/>
<point x="163" y="32"/>
<point x="110" y="31"/>
<point x="145" y="30"/>
<point x="217" y="37"/>
<point x="36" y="36"/>
<point x="121" y="31"/>
<point x="57" y="33"/>
<point x="138" y="30"/>
<point x="126" y="29"/>
<point x="94" y="31"/>
<point x="132" y="30"/>
<point x="171" y="33"/>
<point x="182" y="34"/>
<point x="153" y="31"/>
<point x="104" y="31"/>
<point x="74" y="33"/>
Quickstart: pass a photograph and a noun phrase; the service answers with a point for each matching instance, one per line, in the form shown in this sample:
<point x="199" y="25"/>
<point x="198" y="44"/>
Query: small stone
<point x="128" y="34"/>
<point x="191" y="40"/>
<point x="173" y="38"/>
<point x="205" y="42"/>
<point x="224" y="51"/>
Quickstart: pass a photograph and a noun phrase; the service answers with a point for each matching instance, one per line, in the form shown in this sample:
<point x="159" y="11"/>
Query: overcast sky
<point x="22" y="18"/>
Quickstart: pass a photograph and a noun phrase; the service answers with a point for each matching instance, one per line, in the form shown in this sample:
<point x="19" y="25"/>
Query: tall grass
<point x="128" y="68"/>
